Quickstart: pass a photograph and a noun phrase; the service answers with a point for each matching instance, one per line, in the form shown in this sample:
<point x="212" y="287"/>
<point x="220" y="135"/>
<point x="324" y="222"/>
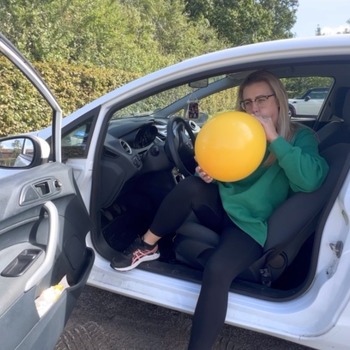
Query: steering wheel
<point x="180" y="144"/>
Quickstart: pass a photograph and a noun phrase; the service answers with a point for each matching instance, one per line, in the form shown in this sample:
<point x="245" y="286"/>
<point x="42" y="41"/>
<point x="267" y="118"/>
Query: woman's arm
<point x="301" y="161"/>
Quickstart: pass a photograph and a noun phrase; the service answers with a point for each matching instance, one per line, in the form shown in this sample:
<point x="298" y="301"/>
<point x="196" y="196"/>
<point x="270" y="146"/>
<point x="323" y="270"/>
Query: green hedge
<point x="74" y="86"/>
<point x="21" y="107"/>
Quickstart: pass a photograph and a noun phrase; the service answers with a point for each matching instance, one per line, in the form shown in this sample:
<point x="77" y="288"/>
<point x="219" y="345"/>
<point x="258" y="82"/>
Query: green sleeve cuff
<point x="280" y="147"/>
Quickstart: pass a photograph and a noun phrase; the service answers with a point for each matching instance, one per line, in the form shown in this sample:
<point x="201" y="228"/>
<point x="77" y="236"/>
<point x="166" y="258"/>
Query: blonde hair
<point x="284" y="127"/>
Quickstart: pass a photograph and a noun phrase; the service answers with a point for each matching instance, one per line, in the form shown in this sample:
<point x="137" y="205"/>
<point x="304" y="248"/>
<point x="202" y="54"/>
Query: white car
<point x="127" y="150"/>
<point x="309" y="104"/>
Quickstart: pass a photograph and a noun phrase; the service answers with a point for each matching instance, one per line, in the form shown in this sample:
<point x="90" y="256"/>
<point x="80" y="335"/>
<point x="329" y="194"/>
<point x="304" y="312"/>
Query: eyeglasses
<point x="261" y="101"/>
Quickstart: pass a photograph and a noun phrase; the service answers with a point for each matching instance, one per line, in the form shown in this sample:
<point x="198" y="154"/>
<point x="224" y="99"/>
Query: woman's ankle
<point x="150" y="238"/>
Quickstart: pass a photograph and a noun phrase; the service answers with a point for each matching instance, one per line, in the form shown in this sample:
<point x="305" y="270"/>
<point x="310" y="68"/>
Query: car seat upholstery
<point x="288" y="228"/>
<point x="338" y="130"/>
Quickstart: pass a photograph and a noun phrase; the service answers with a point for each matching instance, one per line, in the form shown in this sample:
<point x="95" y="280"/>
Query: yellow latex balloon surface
<point x="230" y="146"/>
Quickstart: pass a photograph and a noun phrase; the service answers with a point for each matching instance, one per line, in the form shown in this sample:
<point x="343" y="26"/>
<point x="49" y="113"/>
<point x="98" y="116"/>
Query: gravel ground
<point x="105" y="321"/>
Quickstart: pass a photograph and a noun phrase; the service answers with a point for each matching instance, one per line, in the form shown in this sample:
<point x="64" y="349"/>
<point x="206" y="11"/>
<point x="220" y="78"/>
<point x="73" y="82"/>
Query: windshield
<point x="185" y="100"/>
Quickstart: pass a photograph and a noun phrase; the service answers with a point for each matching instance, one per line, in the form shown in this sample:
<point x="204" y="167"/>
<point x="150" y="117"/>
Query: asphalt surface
<point x="106" y="321"/>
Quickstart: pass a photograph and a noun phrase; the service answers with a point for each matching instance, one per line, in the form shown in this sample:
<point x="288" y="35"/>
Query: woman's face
<point x="259" y="100"/>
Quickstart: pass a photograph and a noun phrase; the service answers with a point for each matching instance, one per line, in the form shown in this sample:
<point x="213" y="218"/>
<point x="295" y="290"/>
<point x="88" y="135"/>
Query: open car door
<point x="44" y="261"/>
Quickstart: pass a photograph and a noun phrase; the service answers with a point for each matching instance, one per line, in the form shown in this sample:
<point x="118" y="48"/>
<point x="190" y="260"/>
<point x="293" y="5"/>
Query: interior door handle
<point x="43" y="188"/>
<point x="52" y="243"/>
<point x="39" y="190"/>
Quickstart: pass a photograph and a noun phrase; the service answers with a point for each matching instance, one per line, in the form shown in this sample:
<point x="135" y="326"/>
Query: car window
<point x="192" y="101"/>
<point x="220" y="94"/>
<point x="307" y="95"/>
<point x="300" y="87"/>
<point x="317" y="95"/>
<point x="74" y="142"/>
<point x="155" y="104"/>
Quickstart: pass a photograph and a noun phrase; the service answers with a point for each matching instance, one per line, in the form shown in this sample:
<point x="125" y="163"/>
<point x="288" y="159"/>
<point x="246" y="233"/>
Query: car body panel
<point x="309" y="107"/>
<point x="310" y="102"/>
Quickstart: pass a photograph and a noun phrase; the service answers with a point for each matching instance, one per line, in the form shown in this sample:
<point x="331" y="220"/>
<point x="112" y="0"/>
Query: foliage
<point x="135" y="36"/>
<point x="298" y="86"/>
<point x="18" y="97"/>
<point x="173" y="30"/>
<point x="90" y="32"/>
<point x="22" y="108"/>
<point x="247" y="21"/>
<point x="139" y="35"/>
<point x="222" y="101"/>
<point x="75" y="85"/>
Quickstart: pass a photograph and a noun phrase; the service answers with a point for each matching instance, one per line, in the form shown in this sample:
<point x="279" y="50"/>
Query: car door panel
<point x="43" y="224"/>
<point x="39" y="332"/>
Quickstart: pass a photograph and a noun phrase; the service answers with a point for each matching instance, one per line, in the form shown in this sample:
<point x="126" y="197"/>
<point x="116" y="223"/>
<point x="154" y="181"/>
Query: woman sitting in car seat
<point x="239" y="210"/>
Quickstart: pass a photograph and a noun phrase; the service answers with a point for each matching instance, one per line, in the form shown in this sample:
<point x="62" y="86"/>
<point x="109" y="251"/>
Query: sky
<point x="330" y="15"/>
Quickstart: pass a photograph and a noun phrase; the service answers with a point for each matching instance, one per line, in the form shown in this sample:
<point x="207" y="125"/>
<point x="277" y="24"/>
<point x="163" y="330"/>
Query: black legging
<point x="191" y="194"/>
<point x="235" y="253"/>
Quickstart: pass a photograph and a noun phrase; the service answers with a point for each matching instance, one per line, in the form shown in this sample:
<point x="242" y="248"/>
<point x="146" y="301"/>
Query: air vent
<point x="126" y="147"/>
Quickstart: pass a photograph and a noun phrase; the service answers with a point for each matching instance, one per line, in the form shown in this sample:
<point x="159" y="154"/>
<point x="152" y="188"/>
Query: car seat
<point x="338" y="129"/>
<point x="288" y="227"/>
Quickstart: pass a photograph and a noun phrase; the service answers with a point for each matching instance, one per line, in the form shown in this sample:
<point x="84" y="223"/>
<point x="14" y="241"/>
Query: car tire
<point x="291" y="111"/>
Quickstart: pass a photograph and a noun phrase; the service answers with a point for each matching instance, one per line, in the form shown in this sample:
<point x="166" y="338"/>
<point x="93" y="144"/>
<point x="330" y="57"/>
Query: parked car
<point x="308" y="104"/>
<point x="124" y="152"/>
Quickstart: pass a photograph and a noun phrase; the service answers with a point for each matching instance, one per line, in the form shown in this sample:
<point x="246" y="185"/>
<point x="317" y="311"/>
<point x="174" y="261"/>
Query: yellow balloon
<point x="230" y="146"/>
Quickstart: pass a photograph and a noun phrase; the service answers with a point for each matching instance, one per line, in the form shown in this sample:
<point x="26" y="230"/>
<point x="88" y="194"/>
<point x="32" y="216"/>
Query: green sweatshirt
<point x="298" y="168"/>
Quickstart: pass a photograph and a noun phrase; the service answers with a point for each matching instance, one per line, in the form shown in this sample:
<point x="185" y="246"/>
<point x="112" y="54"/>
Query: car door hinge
<point x="337" y="249"/>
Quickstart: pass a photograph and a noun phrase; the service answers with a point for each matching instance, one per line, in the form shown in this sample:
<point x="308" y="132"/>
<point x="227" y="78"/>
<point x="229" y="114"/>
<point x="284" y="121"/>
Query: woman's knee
<point x="192" y="185"/>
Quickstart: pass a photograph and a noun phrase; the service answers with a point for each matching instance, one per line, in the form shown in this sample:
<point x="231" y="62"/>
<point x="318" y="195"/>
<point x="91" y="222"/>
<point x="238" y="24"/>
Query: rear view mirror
<point x="23" y="152"/>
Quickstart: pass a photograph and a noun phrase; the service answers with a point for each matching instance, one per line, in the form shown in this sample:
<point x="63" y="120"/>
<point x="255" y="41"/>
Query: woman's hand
<point x="203" y="175"/>
<point x="269" y="127"/>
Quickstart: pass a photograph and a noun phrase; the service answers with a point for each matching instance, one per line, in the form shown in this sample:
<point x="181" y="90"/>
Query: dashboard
<point x="133" y="147"/>
<point x="137" y="133"/>
<point x="141" y="142"/>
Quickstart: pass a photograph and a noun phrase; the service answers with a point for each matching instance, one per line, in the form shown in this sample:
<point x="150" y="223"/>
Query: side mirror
<point x="307" y="98"/>
<point x="23" y="151"/>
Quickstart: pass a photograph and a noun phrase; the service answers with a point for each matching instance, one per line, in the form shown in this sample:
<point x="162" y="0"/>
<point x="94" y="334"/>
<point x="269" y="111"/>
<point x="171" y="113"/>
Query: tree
<point x="136" y="36"/>
<point x="139" y="35"/>
<point x="246" y="21"/>
<point x="92" y="32"/>
<point x="176" y="33"/>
